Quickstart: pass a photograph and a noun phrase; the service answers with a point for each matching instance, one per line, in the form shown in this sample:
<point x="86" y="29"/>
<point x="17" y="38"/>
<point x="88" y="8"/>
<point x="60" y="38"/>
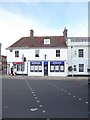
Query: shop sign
<point x="35" y="63"/>
<point x="57" y="62"/>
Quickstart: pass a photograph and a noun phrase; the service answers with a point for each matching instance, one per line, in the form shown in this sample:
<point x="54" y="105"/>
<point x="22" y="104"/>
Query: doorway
<point x="45" y="68"/>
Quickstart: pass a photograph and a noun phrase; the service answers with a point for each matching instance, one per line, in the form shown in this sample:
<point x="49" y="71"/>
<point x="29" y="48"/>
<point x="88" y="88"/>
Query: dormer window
<point x="46" y="41"/>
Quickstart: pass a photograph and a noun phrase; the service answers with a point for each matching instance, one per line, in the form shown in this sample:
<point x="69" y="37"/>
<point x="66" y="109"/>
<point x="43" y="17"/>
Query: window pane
<point x="32" y="67"/>
<point x="81" y="52"/>
<point x="57" y="53"/>
<point x="81" y="67"/>
<point x="22" y="67"/>
<point x="40" y="67"/>
<point x="57" y="67"/>
<point x="36" y="68"/>
<point x="18" y="67"/>
<point x="61" y="68"/>
<point x="16" y="53"/>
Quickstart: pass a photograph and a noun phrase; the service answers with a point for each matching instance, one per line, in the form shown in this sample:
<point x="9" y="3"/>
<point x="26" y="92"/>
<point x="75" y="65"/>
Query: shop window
<point x="51" y="68"/>
<point x="35" y="67"/>
<point x="16" y="53"/>
<point x="81" y="67"/>
<point x="57" y="66"/>
<point x="57" y="53"/>
<point x="32" y="68"/>
<point x="20" y="67"/>
<point x="61" y="68"/>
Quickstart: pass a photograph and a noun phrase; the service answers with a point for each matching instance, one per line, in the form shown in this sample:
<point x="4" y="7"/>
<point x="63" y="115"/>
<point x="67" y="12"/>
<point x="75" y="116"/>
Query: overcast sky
<point x="45" y="18"/>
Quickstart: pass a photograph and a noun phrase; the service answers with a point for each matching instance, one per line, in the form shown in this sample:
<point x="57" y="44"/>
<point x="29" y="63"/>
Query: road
<point x="24" y="98"/>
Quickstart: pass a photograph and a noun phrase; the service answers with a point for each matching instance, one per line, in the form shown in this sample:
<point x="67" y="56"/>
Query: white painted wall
<point x="73" y="58"/>
<point x="30" y="56"/>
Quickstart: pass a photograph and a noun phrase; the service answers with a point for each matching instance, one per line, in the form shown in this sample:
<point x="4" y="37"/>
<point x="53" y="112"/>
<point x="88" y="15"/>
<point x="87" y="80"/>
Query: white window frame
<point x="80" y="53"/>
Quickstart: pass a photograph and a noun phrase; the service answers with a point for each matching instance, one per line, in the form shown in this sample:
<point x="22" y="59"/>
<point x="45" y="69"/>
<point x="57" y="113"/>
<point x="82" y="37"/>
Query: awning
<point x="18" y="62"/>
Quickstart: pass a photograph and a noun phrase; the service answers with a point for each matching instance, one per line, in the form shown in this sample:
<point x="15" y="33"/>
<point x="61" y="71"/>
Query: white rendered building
<point x="78" y="55"/>
<point x="39" y="56"/>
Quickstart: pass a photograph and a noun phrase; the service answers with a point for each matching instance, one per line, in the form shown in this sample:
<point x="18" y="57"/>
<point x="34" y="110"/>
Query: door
<point x="45" y="68"/>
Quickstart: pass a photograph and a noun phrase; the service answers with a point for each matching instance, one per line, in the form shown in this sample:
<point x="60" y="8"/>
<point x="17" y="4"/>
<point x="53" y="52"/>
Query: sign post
<point x="22" y="63"/>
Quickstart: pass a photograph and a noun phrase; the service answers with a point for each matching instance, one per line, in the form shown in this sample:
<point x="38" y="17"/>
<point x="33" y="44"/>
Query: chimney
<point x="31" y="33"/>
<point x="65" y="34"/>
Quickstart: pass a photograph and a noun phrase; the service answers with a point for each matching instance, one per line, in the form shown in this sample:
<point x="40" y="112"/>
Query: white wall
<point x="73" y="58"/>
<point x="30" y="56"/>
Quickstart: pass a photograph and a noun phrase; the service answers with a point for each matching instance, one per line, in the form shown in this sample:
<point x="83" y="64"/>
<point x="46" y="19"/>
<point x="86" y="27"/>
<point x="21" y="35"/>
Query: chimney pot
<point x="31" y="33"/>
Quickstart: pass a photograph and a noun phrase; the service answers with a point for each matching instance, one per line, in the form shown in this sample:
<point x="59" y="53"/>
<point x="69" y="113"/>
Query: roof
<point x="38" y="42"/>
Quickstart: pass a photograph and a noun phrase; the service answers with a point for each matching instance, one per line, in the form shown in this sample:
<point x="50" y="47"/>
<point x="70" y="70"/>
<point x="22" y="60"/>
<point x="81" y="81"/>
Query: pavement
<point x="47" y="77"/>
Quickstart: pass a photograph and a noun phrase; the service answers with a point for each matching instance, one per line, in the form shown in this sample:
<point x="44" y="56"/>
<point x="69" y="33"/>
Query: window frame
<point x="80" y="53"/>
<point x="57" y="53"/>
<point x="17" y="53"/>
<point x="81" y="68"/>
<point x="74" y="68"/>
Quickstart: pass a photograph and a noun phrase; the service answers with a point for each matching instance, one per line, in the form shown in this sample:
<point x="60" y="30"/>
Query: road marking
<point x="40" y="105"/>
<point x="43" y="111"/>
<point x="86" y="102"/>
<point x="69" y="93"/>
<point x="33" y="92"/>
<point x="33" y="109"/>
<point x="74" y="96"/>
<point x="38" y="101"/>
<point x="35" y="97"/>
<point x="65" y="91"/>
<point x="61" y="89"/>
<point x="79" y="99"/>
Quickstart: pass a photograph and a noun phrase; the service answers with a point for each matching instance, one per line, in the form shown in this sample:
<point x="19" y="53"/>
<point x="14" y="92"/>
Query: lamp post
<point x="72" y="60"/>
<point x="22" y="63"/>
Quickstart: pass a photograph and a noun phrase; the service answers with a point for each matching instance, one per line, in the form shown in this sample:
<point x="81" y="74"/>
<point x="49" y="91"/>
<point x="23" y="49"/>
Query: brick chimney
<point x="31" y="33"/>
<point x="65" y="34"/>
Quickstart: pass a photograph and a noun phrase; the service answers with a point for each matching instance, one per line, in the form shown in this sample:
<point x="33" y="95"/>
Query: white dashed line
<point x="40" y="105"/>
<point x="69" y="93"/>
<point x="65" y="91"/>
<point x="79" y="99"/>
<point x="43" y="111"/>
<point x="33" y="92"/>
<point x="86" y="102"/>
<point x="35" y="97"/>
<point x="33" y="109"/>
<point x="38" y="101"/>
<point x="61" y="89"/>
<point x="74" y="96"/>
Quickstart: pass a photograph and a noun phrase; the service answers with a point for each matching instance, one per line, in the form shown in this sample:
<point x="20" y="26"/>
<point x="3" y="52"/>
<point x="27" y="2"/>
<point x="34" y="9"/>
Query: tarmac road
<point x="24" y="98"/>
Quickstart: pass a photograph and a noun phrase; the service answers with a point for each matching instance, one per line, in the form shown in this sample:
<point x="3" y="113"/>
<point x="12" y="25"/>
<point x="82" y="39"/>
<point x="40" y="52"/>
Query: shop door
<point x="45" y="68"/>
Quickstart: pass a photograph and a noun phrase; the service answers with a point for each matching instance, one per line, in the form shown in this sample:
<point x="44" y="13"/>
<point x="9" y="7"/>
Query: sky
<point x="45" y="18"/>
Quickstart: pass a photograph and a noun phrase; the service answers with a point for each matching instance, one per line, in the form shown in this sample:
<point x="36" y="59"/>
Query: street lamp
<point x="72" y="60"/>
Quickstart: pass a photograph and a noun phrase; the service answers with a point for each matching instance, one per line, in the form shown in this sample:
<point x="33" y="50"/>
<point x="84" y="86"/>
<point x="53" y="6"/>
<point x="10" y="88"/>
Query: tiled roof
<point x="34" y="42"/>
